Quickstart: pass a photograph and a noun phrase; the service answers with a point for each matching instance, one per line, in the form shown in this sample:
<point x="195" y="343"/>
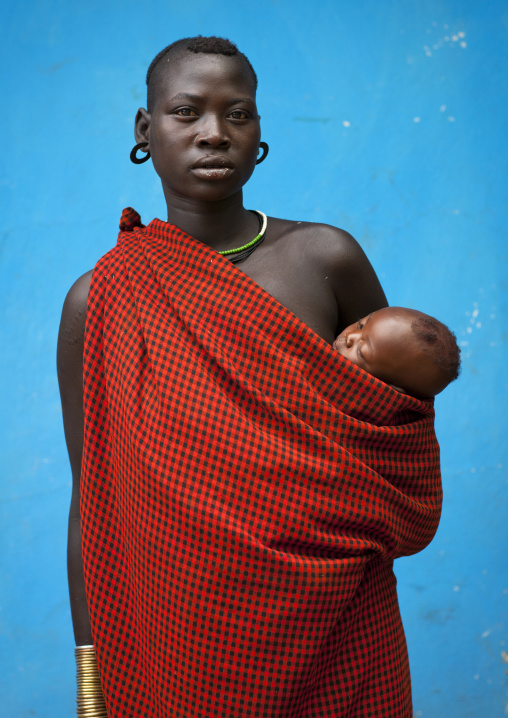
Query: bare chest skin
<point x="291" y="274"/>
<point x="317" y="272"/>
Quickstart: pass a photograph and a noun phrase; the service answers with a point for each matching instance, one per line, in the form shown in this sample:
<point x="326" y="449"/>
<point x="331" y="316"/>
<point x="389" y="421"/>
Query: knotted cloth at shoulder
<point x="129" y="220"/>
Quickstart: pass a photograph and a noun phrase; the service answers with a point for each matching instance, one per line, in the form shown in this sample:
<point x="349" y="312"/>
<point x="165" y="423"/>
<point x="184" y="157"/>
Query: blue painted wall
<point x="385" y="118"/>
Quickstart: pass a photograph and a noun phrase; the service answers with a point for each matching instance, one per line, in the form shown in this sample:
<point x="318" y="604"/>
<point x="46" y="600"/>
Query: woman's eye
<point x="186" y="112"/>
<point x="238" y="115"/>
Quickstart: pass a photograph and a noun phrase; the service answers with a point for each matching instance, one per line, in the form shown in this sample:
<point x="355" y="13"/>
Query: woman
<point x="237" y="539"/>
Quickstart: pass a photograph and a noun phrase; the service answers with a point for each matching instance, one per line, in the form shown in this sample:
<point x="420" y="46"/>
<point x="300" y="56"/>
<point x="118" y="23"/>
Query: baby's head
<point x="411" y="351"/>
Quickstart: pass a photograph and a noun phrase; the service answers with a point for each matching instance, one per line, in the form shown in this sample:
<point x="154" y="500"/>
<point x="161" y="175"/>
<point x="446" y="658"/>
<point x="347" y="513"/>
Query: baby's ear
<point x="398" y="388"/>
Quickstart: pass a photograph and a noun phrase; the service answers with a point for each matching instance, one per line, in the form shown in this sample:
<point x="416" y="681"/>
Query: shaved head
<point x="170" y="54"/>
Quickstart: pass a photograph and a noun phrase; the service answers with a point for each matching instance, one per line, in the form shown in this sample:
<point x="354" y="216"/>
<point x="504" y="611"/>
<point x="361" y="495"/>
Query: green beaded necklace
<point x="247" y="249"/>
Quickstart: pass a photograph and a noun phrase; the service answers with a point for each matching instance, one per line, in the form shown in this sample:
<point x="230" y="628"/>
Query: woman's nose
<point x="212" y="133"/>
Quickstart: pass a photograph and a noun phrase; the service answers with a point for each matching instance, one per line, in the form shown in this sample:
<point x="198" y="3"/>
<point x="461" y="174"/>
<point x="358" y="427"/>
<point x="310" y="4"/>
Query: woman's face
<point x="204" y="129"/>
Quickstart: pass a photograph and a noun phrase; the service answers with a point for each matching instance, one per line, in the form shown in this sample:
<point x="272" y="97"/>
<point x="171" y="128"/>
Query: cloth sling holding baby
<point x="245" y="490"/>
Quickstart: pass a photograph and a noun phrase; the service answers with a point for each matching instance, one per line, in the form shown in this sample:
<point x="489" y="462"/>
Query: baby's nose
<point x="352" y="338"/>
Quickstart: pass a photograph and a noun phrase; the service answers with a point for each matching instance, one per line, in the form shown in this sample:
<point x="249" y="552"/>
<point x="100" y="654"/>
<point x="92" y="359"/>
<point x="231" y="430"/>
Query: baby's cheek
<point x="345" y="353"/>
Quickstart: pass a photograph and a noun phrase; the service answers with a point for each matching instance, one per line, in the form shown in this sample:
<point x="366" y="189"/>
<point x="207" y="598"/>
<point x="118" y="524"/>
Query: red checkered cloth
<point x="245" y="490"/>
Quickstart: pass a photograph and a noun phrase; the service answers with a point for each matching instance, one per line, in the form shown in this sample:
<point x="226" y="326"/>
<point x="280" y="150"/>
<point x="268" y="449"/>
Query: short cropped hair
<point x="439" y="343"/>
<point x="209" y="45"/>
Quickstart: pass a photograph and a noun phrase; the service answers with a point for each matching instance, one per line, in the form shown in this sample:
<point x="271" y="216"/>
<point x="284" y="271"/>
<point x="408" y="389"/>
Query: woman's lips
<point x="212" y="172"/>
<point x="212" y="167"/>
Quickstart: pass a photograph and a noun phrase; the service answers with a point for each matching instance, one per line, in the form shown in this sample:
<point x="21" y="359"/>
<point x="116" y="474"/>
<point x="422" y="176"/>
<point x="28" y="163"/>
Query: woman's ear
<point x="142" y="125"/>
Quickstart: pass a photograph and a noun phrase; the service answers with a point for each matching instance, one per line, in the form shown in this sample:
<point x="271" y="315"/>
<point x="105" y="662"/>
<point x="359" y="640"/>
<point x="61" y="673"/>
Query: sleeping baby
<point x="413" y="352"/>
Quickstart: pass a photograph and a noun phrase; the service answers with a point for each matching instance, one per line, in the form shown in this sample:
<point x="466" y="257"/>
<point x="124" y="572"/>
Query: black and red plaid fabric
<point x="245" y="490"/>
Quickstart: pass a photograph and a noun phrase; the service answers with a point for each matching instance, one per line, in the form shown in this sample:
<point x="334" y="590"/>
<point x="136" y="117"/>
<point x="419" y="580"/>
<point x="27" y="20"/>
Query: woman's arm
<point x="357" y="289"/>
<point x="339" y="257"/>
<point x="70" y="378"/>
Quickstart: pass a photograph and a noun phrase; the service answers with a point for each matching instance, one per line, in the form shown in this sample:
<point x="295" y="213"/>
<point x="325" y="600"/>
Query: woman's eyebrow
<point x="197" y="98"/>
<point x="185" y="96"/>
<point x="240" y="99"/>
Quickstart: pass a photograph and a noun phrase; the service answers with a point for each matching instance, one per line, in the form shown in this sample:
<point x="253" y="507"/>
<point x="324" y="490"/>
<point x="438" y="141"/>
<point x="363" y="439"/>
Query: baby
<point x="407" y="349"/>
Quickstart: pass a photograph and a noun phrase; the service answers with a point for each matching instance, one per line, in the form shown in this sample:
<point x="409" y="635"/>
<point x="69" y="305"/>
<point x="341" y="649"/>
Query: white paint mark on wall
<point x="456" y="588"/>
<point x="486" y="633"/>
<point x="417" y="119"/>
<point x="451" y="119"/>
<point x="346" y="123"/>
<point x="454" y="39"/>
<point x="442" y="108"/>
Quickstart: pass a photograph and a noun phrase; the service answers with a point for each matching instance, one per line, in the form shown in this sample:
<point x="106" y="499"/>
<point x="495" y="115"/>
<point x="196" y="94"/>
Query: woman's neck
<point x="225" y="224"/>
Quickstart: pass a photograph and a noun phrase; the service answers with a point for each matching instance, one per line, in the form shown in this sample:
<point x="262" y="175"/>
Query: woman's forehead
<point x="189" y="70"/>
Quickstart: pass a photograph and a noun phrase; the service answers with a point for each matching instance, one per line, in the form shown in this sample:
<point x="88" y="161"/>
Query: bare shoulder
<point x="77" y="296"/>
<point x="323" y="242"/>
<point x="322" y="254"/>
<point x="73" y="320"/>
<point x="72" y="326"/>
<point x="71" y="339"/>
